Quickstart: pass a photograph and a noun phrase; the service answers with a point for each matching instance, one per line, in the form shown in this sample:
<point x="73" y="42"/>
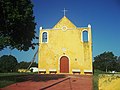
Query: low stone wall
<point x="109" y="82"/>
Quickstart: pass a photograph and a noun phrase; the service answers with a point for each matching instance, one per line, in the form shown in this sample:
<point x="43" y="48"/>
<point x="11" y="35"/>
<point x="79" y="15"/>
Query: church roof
<point x="64" y="22"/>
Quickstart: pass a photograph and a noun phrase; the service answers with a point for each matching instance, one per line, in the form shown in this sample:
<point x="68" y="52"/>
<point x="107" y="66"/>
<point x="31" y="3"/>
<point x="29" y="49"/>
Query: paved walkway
<point x="54" y="82"/>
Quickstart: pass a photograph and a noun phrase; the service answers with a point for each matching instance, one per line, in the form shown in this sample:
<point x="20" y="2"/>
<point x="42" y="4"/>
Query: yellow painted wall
<point x="65" y="39"/>
<point x="23" y="70"/>
<point x="109" y="82"/>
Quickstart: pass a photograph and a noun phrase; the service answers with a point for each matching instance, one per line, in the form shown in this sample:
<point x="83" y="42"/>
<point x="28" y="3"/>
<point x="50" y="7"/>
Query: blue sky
<point x="103" y="15"/>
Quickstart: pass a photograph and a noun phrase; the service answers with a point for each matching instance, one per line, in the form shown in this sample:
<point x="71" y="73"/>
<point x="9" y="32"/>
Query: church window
<point x="85" y="36"/>
<point x="44" y="37"/>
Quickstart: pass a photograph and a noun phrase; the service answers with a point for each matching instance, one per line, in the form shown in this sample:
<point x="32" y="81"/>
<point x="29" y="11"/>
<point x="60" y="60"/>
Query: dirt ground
<point x="54" y="82"/>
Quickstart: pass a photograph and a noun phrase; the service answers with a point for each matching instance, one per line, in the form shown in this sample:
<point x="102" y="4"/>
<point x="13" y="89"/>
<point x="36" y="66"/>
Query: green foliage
<point x="118" y="60"/>
<point x="8" y="63"/>
<point x="17" y="26"/>
<point x="96" y="78"/>
<point x="4" y="83"/>
<point x="106" y="61"/>
<point x="97" y="72"/>
<point x="24" y="65"/>
<point x="10" y="78"/>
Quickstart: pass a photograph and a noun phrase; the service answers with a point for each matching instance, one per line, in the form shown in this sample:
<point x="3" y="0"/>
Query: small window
<point x="85" y="36"/>
<point x="44" y="37"/>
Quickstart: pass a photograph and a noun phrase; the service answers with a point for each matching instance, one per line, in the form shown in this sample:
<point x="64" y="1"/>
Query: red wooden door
<point x="64" y="65"/>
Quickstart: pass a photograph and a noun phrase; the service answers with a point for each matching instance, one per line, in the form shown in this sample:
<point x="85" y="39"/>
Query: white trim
<point x="47" y="29"/>
<point x="89" y="26"/>
<point x="64" y="28"/>
<point x="58" y="29"/>
<point x="40" y="28"/>
<point x="67" y="28"/>
<point x="61" y="29"/>
<point x="52" y="70"/>
<point x="75" y="70"/>
<point x="59" y="62"/>
<point x="42" y="37"/>
<point x="87" y="70"/>
<point x="82" y="34"/>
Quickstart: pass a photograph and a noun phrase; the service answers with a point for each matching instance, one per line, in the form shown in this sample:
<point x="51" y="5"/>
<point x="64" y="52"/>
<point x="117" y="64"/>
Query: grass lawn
<point x="10" y="78"/>
<point x="96" y="78"/>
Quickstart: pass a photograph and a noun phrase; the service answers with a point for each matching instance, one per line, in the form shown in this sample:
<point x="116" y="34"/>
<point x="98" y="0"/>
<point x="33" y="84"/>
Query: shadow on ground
<point x="46" y="77"/>
<point x="36" y="77"/>
<point x="8" y="80"/>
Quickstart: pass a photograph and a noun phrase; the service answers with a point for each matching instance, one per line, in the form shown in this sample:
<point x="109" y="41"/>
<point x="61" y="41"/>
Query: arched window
<point x="85" y="36"/>
<point x="44" y="37"/>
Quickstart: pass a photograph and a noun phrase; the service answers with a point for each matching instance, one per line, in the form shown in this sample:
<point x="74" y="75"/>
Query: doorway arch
<point x="64" y="64"/>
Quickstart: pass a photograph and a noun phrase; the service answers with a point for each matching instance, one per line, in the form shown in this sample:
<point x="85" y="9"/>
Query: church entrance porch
<point x="64" y="64"/>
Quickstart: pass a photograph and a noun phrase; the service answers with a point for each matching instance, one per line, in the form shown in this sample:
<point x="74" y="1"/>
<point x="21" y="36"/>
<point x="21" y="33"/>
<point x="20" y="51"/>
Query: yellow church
<point x="65" y="49"/>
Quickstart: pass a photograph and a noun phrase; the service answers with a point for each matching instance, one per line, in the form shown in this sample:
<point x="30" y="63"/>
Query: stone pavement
<point x="54" y="82"/>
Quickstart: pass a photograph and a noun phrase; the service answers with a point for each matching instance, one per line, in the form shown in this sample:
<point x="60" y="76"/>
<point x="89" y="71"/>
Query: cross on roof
<point x="64" y="11"/>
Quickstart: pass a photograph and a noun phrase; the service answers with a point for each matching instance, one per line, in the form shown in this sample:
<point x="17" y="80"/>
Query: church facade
<point x="65" y="49"/>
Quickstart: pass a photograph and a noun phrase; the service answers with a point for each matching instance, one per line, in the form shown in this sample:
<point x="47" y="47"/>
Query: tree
<point x="118" y="60"/>
<point x="17" y="26"/>
<point x="105" y="61"/>
<point x="118" y="64"/>
<point x="24" y="65"/>
<point x="8" y="63"/>
<point x="114" y="66"/>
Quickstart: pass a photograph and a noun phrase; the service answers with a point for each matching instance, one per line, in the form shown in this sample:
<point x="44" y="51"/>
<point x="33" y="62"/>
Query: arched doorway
<point x="64" y="64"/>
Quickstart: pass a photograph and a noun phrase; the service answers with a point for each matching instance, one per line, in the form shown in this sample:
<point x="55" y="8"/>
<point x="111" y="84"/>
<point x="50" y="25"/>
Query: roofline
<point x="67" y="29"/>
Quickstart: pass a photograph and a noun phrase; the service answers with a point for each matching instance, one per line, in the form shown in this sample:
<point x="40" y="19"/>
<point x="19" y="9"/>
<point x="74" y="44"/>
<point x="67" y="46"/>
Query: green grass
<point x="95" y="82"/>
<point x="96" y="78"/>
<point x="4" y="83"/>
<point x="10" y="78"/>
<point x="14" y="74"/>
